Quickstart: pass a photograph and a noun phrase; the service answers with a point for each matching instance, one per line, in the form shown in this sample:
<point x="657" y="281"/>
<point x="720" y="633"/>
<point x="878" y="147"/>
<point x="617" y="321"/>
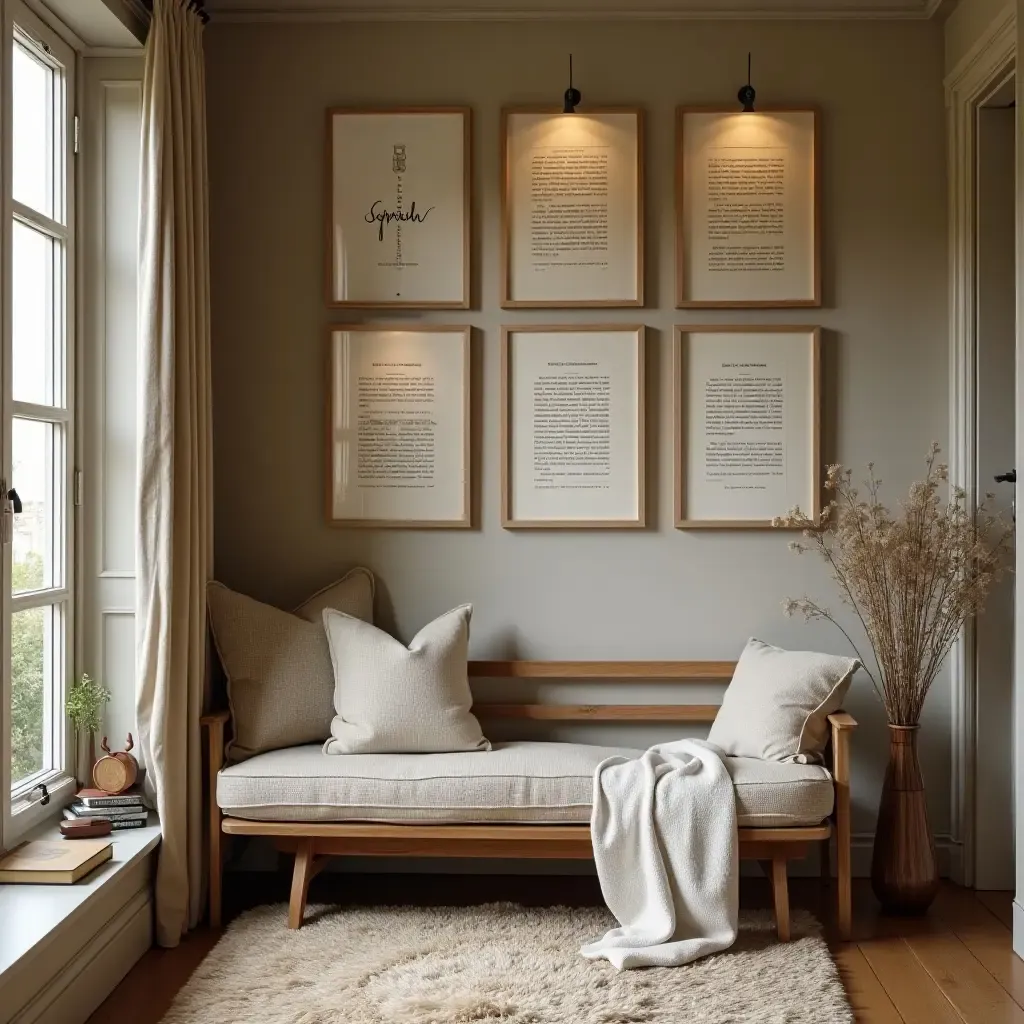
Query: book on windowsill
<point x="97" y="798"/>
<point x="54" y="862"/>
<point x="111" y="813"/>
<point x="123" y="824"/>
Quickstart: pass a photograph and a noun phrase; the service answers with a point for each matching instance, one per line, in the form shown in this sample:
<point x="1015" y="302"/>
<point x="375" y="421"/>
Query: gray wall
<point x="659" y="593"/>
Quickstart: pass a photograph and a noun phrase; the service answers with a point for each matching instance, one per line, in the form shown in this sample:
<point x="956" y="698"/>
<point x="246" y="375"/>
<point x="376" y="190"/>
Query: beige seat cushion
<point x="521" y="781"/>
<point x="278" y="665"/>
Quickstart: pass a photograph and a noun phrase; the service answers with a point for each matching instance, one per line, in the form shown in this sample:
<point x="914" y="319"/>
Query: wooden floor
<point x="954" y="966"/>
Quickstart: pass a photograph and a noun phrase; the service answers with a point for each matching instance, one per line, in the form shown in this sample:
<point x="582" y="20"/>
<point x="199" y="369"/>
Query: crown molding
<point x="569" y="10"/>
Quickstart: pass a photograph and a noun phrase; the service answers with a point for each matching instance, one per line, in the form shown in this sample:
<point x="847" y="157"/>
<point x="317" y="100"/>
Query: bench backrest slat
<point x="597" y="671"/>
<point x="623" y="671"/>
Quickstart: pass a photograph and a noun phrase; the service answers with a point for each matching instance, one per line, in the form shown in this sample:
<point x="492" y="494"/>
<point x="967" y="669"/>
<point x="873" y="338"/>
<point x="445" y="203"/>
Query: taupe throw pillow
<point x="278" y="666"/>
<point x="393" y="699"/>
<point x="777" y="704"/>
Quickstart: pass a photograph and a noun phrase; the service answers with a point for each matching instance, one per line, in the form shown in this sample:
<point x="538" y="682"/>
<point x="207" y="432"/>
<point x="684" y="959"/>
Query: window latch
<point x="44" y="797"/>
<point x="12" y="497"/>
<point x="6" y="514"/>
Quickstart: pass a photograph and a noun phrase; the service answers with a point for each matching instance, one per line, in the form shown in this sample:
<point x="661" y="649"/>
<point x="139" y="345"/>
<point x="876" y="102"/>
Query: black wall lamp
<point x="747" y="93"/>
<point x="572" y="95"/>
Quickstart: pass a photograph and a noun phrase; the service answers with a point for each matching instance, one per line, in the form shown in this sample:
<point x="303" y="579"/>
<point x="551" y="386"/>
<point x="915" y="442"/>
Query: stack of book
<point x="126" y="810"/>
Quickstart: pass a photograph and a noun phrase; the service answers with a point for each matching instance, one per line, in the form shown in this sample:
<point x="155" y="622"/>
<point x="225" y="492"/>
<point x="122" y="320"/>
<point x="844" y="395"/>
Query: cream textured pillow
<point x="393" y="699"/>
<point x="278" y="665"/>
<point x="777" y="703"/>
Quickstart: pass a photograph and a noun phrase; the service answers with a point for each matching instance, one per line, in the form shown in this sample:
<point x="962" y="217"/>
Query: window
<point x="37" y="426"/>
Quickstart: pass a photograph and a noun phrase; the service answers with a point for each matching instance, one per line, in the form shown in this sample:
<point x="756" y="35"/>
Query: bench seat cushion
<point x="542" y="782"/>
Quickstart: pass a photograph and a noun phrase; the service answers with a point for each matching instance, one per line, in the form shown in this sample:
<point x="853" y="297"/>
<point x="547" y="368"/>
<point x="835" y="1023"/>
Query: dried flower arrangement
<point x="913" y="579"/>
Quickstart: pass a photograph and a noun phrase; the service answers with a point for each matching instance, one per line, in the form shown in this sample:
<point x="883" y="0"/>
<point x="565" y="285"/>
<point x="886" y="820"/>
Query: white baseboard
<point x="949" y="852"/>
<point x="83" y="984"/>
<point x="1018" y="929"/>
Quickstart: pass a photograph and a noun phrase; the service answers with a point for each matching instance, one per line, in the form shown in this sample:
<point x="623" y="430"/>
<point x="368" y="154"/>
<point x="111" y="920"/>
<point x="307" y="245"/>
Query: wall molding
<point x="96" y="971"/>
<point x="571" y="10"/>
<point x="986" y="64"/>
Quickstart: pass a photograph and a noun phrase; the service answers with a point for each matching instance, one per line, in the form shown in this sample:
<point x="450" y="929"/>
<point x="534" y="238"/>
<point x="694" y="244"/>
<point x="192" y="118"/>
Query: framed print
<point x="747" y="424"/>
<point x="572" y="427"/>
<point x="748" y="221"/>
<point x="398" y="426"/>
<point x="398" y="208"/>
<point x="572" y="208"/>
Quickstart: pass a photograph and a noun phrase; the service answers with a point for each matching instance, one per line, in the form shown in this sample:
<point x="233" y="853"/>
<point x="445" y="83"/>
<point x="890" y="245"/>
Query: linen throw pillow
<point x="777" y="704"/>
<point x="278" y="666"/>
<point x="393" y="699"/>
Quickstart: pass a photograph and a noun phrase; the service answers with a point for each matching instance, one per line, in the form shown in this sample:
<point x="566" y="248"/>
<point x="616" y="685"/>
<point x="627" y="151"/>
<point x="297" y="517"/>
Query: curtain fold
<point x="174" y="544"/>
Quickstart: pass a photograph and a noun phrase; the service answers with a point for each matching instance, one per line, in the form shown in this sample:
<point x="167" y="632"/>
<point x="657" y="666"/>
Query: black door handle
<point x="1007" y="478"/>
<point x="12" y="497"/>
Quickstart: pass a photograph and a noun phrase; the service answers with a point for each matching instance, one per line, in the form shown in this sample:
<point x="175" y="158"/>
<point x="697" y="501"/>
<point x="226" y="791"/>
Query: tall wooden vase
<point x="904" y="873"/>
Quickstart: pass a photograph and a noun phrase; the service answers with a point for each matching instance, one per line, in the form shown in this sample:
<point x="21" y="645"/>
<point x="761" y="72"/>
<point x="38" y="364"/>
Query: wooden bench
<point x="312" y="843"/>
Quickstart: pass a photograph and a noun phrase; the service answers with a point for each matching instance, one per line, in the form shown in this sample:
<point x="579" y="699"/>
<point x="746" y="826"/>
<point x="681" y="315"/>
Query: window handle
<point x="12" y="497"/>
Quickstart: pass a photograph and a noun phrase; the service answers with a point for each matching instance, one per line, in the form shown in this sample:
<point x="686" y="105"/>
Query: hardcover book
<point x="122" y="824"/>
<point x="97" y="798"/>
<point x="110" y="813"/>
<point x="54" y="862"/>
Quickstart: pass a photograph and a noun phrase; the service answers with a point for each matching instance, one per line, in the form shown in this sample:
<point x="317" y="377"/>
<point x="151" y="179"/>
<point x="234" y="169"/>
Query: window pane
<point x="33" y="123"/>
<point x="37" y="466"/>
<point x="36" y="314"/>
<point x="32" y="688"/>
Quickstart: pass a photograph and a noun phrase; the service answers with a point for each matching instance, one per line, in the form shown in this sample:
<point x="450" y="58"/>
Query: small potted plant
<point x="86" y="701"/>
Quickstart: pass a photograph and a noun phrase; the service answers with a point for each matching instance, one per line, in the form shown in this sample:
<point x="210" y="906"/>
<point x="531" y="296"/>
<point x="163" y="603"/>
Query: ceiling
<point x="509" y="10"/>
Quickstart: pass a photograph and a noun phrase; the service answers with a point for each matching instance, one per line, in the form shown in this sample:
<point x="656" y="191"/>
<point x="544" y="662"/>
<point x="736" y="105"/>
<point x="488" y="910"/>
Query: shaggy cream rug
<point x="497" y="963"/>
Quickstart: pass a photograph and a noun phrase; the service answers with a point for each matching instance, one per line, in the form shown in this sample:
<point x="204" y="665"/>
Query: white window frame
<point x="23" y="808"/>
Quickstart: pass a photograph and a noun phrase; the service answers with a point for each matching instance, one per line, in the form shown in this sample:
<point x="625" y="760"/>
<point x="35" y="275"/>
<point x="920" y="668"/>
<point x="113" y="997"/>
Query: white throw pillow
<point x="393" y="699"/>
<point x="776" y="706"/>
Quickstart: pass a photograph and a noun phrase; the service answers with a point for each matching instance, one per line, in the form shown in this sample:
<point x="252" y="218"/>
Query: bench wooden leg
<point x="780" y="891"/>
<point x="302" y="874"/>
<point x="216" y="871"/>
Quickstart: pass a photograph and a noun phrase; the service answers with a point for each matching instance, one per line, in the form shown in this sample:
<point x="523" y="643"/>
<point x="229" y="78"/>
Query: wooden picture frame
<point x="400" y="157"/>
<point x="540" y="291"/>
<point x="579" y="339"/>
<point x="400" y="341"/>
<point x="774" y="396"/>
<point x="798" y="223"/>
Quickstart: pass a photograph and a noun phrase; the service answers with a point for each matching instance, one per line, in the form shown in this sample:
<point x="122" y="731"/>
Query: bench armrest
<point x="843" y="726"/>
<point x="213" y="723"/>
<point x="842" y="720"/>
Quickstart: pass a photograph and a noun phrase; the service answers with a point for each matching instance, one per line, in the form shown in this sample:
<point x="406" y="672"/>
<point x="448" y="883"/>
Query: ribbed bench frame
<point x="313" y="843"/>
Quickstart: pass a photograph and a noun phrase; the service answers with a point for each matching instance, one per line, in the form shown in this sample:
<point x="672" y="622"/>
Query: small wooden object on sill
<point x="88" y="828"/>
<point x="117" y="771"/>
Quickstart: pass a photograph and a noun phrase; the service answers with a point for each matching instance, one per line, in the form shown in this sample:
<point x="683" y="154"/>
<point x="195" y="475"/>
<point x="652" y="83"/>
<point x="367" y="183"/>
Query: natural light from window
<point x="40" y="423"/>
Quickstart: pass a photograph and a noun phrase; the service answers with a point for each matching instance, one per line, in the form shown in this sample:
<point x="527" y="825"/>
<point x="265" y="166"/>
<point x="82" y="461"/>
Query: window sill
<point x="34" y="916"/>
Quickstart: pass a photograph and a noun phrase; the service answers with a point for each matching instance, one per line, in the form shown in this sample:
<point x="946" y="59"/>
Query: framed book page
<point x="747" y="425"/>
<point x="398" y="208"/>
<point x="748" y="186"/>
<point x="572" y="427"/>
<point x="572" y="208"/>
<point x="398" y="426"/>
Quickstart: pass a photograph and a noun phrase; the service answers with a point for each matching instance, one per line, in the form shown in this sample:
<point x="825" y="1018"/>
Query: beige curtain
<point x="174" y="551"/>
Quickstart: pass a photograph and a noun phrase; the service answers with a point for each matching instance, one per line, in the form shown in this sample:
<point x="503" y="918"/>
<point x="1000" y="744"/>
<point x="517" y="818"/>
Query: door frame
<point x="987" y="66"/>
